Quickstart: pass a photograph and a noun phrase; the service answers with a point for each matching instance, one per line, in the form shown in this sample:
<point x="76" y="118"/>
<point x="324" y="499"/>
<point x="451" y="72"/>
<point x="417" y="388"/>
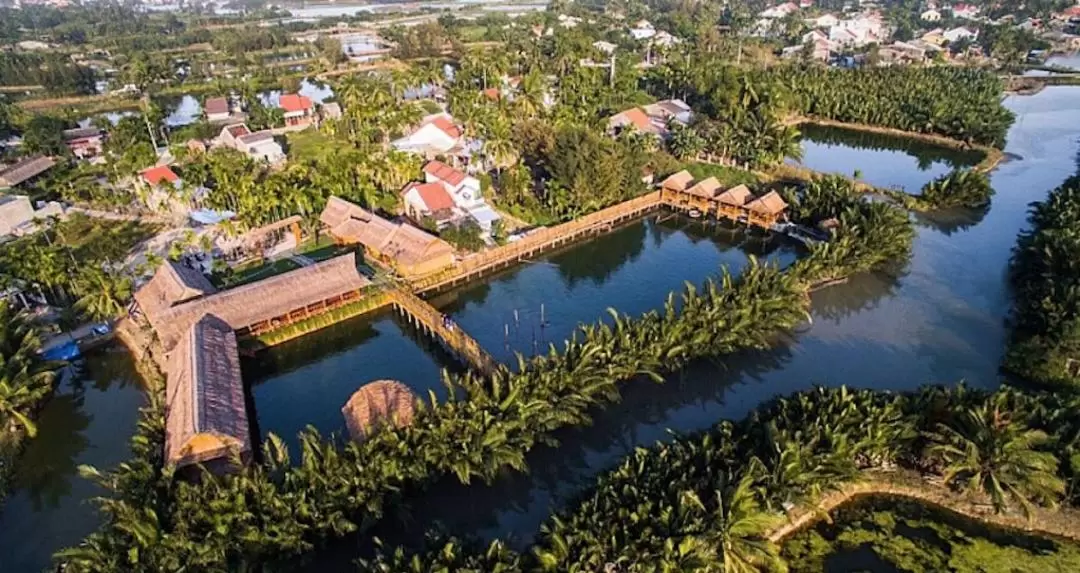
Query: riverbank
<point x="1062" y="523"/>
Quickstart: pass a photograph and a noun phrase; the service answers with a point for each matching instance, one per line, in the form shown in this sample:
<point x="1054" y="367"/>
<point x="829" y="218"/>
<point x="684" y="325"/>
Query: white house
<point x="464" y="190"/>
<point x="823" y="21"/>
<point x="429" y="200"/>
<point x="259" y="145"/>
<point x="642" y="30"/>
<point x="664" y="39"/>
<point x="435" y="135"/>
<point x="17" y="214"/>
<point x="780" y="11"/>
<point x="858" y="31"/>
<point x="957" y="34"/>
<point x="930" y="16"/>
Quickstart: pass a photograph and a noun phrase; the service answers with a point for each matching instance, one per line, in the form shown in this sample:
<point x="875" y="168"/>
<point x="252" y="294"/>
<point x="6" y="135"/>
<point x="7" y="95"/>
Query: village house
<point x="930" y="16"/>
<point x="85" y="142"/>
<point x="217" y="109"/>
<point x="24" y="171"/>
<point x="858" y="31"/>
<point x="960" y="33"/>
<point x="429" y="201"/>
<point x="163" y="190"/>
<point x="17" y="214"/>
<point x="779" y="11"/>
<point x="436" y="135"/>
<point x="653" y="118"/>
<point x="642" y="30"/>
<point x="903" y="52"/>
<point x="299" y="110"/>
<point x="259" y="145"/>
<point x="465" y="192"/>
<point x="606" y="47"/>
<point x="965" y="11"/>
<point x="825" y="21"/>
<point x="411" y="252"/>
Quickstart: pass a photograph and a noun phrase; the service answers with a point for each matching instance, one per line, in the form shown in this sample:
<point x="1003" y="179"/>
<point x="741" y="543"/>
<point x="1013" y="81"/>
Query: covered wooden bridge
<point x="709" y="197"/>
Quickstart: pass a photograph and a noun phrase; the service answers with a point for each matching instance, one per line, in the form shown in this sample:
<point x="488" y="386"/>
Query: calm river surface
<point x="941" y="320"/>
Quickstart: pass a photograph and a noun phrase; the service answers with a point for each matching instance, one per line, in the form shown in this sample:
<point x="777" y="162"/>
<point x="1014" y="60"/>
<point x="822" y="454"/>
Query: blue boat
<point x="67" y="351"/>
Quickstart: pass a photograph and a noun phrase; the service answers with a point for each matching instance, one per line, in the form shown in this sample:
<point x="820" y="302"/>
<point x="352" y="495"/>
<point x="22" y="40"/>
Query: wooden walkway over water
<point x="428" y="319"/>
<point x="536" y="243"/>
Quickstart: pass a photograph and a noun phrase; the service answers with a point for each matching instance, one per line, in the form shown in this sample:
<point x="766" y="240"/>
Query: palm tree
<point x="102" y="293"/>
<point x="736" y="527"/>
<point x="24" y="378"/>
<point x="984" y="451"/>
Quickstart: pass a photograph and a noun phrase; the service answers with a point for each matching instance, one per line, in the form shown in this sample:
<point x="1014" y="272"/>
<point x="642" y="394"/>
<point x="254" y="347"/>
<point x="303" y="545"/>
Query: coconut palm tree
<point x="24" y="378"/>
<point x="736" y="526"/>
<point x="984" y="451"/>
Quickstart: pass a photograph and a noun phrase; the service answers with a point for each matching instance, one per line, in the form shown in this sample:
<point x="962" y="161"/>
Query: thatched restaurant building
<point x="197" y="326"/>
<point x="411" y="252"/>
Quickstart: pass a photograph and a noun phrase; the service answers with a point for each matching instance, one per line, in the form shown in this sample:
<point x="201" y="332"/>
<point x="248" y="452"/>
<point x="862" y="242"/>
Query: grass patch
<point x="256" y="271"/>
<point x="308" y="145"/>
<point x="727" y="176"/>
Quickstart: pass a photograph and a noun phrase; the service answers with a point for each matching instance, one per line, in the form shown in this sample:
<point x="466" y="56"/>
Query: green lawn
<point x="728" y="176"/>
<point x="308" y="144"/>
<point x="256" y="272"/>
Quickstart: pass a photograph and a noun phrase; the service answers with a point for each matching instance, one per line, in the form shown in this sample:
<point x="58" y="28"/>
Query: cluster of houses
<point x="654" y="119"/>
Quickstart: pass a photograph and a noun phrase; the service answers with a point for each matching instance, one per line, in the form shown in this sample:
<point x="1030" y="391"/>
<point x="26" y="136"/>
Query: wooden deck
<point x="532" y="245"/>
<point x="430" y="320"/>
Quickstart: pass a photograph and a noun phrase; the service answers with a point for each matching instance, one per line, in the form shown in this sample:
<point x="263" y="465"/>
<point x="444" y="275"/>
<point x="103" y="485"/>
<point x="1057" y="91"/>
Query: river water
<point x="941" y="320"/>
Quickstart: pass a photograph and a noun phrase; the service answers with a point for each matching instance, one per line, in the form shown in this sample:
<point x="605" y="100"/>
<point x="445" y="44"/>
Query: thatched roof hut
<point x="736" y="196"/>
<point x="769" y="204"/>
<point x="708" y="188"/>
<point x="412" y="250"/>
<point x="378" y="403"/>
<point x="677" y="181"/>
<point x="267" y="299"/>
<point x="205" y="416"/>
<point x="172" y="284"/>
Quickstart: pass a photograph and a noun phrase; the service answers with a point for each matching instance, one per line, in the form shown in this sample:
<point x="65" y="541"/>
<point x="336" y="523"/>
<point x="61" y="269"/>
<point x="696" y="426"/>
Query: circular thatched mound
<point x="378" y="403"/>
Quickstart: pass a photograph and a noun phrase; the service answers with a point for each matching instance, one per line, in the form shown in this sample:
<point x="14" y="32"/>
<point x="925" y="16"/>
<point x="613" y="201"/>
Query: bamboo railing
<point x="535" y="243"/>
<point x="457" y="340"/>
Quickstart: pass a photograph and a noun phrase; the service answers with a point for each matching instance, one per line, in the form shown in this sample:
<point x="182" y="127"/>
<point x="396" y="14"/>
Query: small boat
<point x="694" y="213"/>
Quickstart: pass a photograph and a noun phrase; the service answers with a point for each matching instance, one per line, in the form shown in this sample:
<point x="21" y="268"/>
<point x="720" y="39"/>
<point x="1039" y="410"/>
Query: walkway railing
<point x="540" y="241"/>
<point x="452" y="335"/>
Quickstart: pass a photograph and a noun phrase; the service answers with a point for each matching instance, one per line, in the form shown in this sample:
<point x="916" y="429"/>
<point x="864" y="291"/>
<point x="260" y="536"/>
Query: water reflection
<point x="307" y="380"/>
<point x="881" y="160"/>
<point x="88" y="421"/>
<point x="954" y="220"/>
<point x="632" y="269"/>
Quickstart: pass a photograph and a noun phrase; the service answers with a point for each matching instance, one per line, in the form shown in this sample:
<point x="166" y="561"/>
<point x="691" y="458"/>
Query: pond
<point x="941" y="320"/>
<point x="881" y="160"/>
<point x="88" y="421"/>
<point x="892" y="534"/>
<point x="307" y="380"/>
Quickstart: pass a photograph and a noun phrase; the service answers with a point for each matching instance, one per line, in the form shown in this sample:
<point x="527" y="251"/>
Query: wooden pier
<point x="427" y="318"/>
<point x="536" y="243"/>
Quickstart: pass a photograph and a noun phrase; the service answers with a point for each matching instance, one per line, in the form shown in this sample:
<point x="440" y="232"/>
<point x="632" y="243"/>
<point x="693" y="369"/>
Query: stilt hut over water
<point x="767" y="210"/>
<point x="703" y="193"/>
<point x="206" y="417"/>
<point x="677" y="182"/>
<point x="732" y="203"/>
<point x="376" y="404"/>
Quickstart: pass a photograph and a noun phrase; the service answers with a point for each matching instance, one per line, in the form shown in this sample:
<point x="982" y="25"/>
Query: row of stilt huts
<point x="708" y="196"/>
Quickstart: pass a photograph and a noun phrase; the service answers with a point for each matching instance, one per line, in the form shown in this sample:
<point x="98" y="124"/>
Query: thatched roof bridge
<point x="206" y="417"/>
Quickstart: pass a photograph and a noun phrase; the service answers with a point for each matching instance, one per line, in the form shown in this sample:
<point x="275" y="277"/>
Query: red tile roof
<point x="433" y="195"/>
<point x="492" y="94"/>
<point x="639" y="118"/>
<point x="444" y="172"/>
<point x="294" y="102"/>
<point x="447" y="126"/>
<point x="238" y="130"/>
<point x="216" y="105"/>
<point x="155" y="175"/>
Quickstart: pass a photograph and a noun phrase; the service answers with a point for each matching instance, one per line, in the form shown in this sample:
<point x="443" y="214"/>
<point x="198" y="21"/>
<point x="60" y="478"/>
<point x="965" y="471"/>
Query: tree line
<point x="709" y="501"/>
<point x="1045" y="277"/>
